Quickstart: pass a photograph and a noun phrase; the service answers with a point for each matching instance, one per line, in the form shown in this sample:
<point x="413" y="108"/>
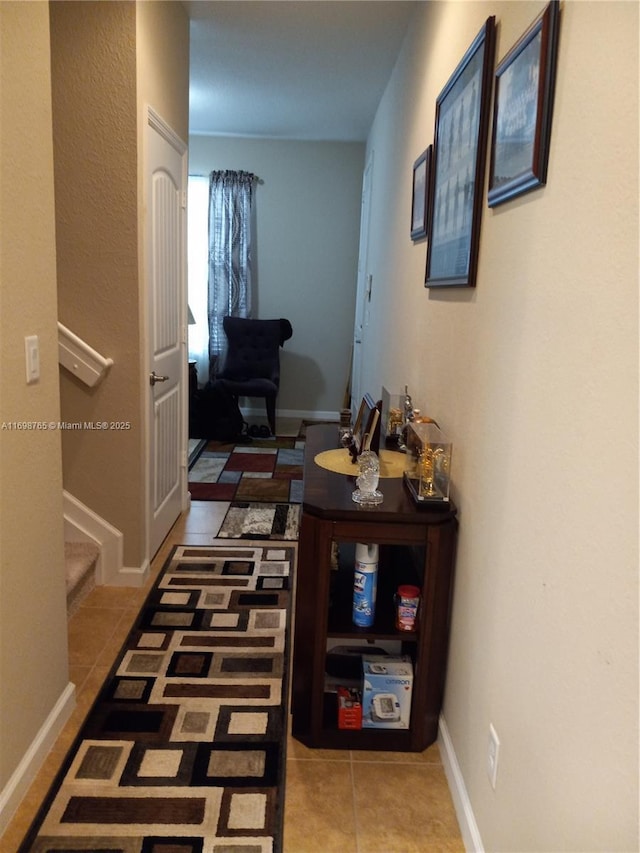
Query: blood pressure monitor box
<point x="387" y="683"/>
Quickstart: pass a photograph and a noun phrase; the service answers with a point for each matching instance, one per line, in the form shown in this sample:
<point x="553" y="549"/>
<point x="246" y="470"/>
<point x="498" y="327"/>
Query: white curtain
<point x="198" y="253"/>
<point x="230" y="202"/>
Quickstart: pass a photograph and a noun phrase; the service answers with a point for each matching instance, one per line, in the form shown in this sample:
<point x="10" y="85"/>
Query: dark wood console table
<point x="417" y="546"/>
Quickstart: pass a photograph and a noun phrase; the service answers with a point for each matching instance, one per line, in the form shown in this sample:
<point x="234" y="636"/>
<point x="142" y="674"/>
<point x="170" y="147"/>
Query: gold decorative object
<point x="392" y="463"/>
<point x="429" y="473"/>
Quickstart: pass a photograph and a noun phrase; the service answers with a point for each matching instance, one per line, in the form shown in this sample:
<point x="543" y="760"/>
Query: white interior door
<point x="363" y="293"/>
<point x="166" y="276"/>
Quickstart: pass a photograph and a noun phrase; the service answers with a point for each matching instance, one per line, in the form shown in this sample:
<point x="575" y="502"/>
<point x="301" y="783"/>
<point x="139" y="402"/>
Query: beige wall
<point x="534" y="376"/>
<point x="95" y="143"/>
<point x="163" y="63"/>
<point x="306" y="253"/>
<point x="90" y="74"/>
<point x="33" y="637"/>
<point x="106" y="68"/>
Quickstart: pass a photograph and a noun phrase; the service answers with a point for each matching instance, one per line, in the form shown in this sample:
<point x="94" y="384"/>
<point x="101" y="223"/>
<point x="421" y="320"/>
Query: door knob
<point x="154" y="377"/>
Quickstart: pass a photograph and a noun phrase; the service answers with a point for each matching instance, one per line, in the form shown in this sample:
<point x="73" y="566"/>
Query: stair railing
<point x="81" y="359"/>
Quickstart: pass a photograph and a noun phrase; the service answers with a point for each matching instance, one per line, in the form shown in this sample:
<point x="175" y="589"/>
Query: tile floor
<point x="351" y="802"/>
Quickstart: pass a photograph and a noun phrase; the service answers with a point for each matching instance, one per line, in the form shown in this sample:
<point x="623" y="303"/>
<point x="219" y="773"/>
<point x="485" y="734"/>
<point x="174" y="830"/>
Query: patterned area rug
<point x="264" y="470"/>
<point x="184" y="749"/>
<point x="261" y="521"/>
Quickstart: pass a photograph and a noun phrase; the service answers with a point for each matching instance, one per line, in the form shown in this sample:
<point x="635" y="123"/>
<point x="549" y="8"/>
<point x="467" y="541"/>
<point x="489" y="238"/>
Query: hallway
<point x="333" y="798"/>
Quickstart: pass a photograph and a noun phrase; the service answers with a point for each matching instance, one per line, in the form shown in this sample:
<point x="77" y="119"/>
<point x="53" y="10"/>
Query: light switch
<point x="32" y="353"/>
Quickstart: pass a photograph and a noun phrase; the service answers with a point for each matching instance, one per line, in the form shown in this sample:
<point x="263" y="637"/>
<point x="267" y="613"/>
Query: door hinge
<point x="183" y="199"/>
<point x="183" y="458"/>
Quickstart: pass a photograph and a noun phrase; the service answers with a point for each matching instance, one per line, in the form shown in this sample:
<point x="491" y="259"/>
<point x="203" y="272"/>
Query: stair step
<point x="80" y="560"/>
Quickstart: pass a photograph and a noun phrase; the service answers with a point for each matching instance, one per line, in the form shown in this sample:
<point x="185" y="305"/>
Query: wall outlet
<point x="492" y="756"/>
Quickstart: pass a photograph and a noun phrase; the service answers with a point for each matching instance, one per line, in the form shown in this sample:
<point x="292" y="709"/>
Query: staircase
<point x="81" y="559"/>
<point x="82" y="556"/>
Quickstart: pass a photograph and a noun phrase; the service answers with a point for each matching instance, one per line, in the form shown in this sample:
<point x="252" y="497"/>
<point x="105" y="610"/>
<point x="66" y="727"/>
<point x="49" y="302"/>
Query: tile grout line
<point x="353" y="801"/>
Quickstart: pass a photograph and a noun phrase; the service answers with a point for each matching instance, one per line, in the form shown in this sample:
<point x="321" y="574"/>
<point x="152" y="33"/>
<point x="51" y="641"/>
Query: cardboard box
<point x="349" y="709"/>
<point x="387" y="685"/>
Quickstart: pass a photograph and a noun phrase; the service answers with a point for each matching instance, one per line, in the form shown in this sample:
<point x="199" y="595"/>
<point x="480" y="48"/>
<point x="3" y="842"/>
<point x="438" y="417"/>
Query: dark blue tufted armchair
<point x="252" y="364"/>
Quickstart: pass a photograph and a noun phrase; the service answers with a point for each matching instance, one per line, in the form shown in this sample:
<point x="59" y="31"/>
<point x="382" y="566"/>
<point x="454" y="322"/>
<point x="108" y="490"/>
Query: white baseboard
<point x="303" y="414"/>
<point x="309" y="416"/>
<point x="462" y="804"/>
<point x="86" y="524"/>
<point x="132" y="575"/>
<point x="24" y="774"/>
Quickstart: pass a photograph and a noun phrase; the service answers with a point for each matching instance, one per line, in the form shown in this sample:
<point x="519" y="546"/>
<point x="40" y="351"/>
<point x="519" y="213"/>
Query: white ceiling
<point x="292" y="69"/>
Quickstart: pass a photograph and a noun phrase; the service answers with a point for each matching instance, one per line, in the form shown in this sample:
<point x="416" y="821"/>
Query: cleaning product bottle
<point x="365" y="582"/>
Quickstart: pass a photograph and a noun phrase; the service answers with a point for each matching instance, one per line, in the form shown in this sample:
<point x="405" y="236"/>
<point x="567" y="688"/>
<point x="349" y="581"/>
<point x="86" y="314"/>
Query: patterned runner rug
<point x="261" y="521"/>
<point x="264" y="470"/>
<point x="184" y="749"/>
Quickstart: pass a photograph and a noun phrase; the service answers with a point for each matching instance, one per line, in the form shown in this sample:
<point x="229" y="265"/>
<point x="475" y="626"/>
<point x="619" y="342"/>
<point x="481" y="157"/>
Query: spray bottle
<point x="364" y="585"/>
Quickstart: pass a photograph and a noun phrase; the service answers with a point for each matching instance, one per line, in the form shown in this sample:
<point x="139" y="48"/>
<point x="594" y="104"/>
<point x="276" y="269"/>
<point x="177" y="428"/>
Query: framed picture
<point x="366" y="429"/>
<point x="420" y="196"/>
<point x="361" y="418"/>
<point x="525" y="82"/>
<point x="459" y="157"/>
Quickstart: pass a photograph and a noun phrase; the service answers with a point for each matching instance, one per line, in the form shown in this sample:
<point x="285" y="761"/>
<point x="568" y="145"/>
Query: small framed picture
<point x="366" y="430"/>
<point x="524" y="87"/>
<point x="420" y="196"/>
<point x="361" y="417"/>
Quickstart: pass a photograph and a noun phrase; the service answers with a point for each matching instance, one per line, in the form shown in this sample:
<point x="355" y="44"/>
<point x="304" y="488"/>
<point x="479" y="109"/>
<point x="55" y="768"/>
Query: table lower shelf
<point x="369" y="739"/>
<point x="331" y="737"/>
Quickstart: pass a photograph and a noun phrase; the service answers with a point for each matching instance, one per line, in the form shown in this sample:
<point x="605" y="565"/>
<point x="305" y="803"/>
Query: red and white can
<point x="407" y="601"/>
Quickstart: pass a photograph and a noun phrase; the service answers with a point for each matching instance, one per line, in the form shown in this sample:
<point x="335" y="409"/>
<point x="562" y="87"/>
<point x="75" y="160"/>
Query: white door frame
<point x="155" y="124"/>
<point x="363" y="291"/>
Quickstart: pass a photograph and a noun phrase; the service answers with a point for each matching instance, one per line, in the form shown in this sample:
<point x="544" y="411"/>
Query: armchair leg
<point x="271" y="413"/>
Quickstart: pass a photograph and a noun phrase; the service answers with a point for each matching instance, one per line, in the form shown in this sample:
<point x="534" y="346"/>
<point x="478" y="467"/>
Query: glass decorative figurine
<point x="428" y="474"/>
<point x="367" y="493"/>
